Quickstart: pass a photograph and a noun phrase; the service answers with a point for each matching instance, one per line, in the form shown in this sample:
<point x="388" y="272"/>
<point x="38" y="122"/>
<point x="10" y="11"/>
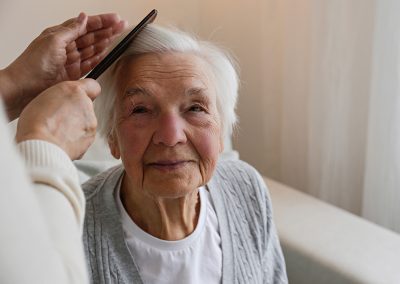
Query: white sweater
<point x="41" y="213"/>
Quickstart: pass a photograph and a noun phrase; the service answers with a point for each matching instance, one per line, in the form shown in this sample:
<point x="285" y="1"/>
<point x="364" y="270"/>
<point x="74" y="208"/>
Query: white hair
<point x="156" y="39"/>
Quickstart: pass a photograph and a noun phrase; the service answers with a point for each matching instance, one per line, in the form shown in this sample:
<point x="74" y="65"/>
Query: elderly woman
<point x="173" y="213"/>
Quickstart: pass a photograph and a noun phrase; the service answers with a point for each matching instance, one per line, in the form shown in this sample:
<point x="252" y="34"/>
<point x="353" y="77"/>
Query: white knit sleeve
<point x="47" y="164"/>
<point x="60" y="197"/>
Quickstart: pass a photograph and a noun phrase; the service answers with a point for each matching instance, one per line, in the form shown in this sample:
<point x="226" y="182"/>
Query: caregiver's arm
<point x="57" y="126"/>
<point x="42" y="221"/>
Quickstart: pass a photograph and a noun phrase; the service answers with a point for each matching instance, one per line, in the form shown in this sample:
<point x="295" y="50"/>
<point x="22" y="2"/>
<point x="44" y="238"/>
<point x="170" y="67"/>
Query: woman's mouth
<point x="168" y="165"/>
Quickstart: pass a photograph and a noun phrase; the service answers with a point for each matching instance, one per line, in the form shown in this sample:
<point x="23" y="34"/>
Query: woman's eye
<point x="139" y="110"/>
<point x="196" y="108"/>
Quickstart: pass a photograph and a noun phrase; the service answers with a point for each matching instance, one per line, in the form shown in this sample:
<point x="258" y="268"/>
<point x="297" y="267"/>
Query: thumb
<point x="73" y="28"/>
<point x="91" y="87"/>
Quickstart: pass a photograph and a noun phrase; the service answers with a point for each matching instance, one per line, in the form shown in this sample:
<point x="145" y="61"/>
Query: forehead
<point x="172" y="68"/>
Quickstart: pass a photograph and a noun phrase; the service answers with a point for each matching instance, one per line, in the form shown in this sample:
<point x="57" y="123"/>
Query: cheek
<point x="133" y="144"/>
<point x="207" y="144"/>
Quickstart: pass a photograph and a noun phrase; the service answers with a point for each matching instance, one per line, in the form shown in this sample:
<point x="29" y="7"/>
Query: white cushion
<point x="325" y="244"/>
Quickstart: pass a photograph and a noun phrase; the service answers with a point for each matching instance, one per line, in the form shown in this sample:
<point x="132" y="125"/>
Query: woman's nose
<point x="170" y="130"/>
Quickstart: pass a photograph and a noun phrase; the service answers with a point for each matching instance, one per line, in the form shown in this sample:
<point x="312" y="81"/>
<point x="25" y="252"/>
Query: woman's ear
<point x="114" y="147"/>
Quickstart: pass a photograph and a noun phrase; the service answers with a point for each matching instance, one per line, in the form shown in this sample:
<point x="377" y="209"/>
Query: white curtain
<point x="335" y="132"/>
<point x="381" y="198"/>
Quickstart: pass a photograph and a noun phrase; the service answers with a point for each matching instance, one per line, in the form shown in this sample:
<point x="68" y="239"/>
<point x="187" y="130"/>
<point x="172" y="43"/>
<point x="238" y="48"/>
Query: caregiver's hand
<point x="63" y="52"/>
<point x="62" y="115"/>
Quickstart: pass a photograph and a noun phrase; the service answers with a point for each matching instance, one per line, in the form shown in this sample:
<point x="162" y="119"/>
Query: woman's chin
<point x="170" y="188"/>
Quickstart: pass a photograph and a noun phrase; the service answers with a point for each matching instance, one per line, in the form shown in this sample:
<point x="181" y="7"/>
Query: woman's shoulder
<point x="237" y="170"/>
<point x="238" y="179"/>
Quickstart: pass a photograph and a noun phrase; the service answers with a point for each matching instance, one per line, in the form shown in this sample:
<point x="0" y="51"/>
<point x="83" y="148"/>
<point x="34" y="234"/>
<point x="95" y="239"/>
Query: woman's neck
<point x="164" y="218"/>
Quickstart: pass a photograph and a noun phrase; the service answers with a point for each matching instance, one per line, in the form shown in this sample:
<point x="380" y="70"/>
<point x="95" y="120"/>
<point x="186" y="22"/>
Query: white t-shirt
<point x="194" y="259"/>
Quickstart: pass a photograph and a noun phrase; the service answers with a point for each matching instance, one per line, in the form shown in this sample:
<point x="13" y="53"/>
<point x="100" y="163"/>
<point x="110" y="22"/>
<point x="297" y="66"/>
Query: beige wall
<point x="236" y="25"/>
<point x="242" y="27"/>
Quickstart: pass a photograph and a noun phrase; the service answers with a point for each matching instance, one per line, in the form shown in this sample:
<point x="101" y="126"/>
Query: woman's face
<point x="168" y="129"/>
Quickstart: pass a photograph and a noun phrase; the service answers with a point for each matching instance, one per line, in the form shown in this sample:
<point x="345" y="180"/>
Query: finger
<point x="93" y="37"/>
<point x="71" y="47"/>
<point x="74" y="70"/>
<point x="102" y="21"/>
<point x="92" y="23"/>
<point x="120" y="27"/>
<point x="98" y="35"/>
<point x="79" y="25"/>
<point x="83" y="54"/>
<point x="91" y="62"/>
<point x="70" y="30"/>
<point x="77" y="69"/>
<point x="91" y="87"/>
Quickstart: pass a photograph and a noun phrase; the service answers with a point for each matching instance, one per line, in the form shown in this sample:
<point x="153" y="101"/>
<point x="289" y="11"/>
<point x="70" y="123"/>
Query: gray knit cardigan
<point x="250" y="247"/>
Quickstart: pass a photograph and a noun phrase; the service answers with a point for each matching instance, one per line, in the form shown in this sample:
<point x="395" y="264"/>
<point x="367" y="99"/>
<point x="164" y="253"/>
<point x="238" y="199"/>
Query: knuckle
<point x="48" y="30"/>
<point x="71" y="90"/>
<point x="74" y="88"/>
<point x="54" y="39"/>
<point x="91" y="129"/>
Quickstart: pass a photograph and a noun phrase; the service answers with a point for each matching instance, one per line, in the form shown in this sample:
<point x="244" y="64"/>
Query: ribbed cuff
<point x="42" y="154"/>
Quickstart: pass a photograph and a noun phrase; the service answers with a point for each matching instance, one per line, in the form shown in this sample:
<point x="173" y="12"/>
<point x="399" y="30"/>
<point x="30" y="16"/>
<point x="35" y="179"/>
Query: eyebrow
<point x="196" y="91"/>
<point x="136" y="91"/>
